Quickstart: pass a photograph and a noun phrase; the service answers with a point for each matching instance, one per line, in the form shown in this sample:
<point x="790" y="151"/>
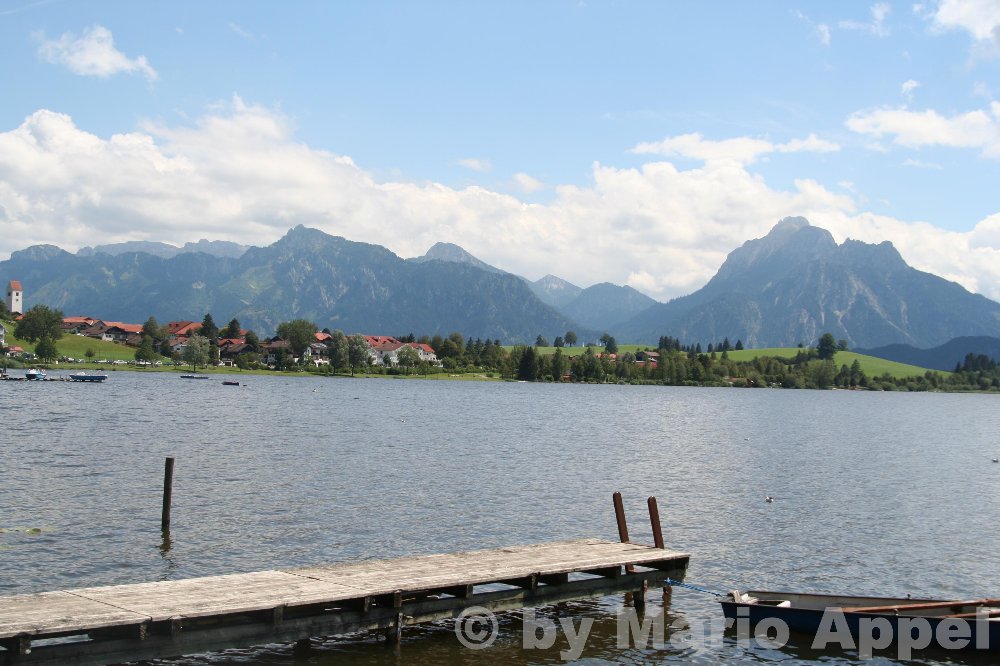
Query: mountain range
<point x="942" y="357"/>
<point x="797" y="283"/>
<point x="788" y="287"/>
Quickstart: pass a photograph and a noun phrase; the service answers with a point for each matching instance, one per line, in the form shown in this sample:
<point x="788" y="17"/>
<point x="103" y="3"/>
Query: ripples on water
<point x="882" y="494"/>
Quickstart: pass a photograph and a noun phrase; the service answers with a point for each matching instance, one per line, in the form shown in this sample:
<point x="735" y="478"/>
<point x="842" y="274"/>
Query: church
<point x="15" y="297"/>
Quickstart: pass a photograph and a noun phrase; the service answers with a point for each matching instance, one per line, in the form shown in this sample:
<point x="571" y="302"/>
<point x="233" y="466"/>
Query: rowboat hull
<point x="842" y="621"/>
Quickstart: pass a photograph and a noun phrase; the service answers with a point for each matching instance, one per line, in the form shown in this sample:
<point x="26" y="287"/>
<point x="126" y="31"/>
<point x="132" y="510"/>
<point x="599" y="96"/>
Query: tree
<point x="155" y="332"/>
<point x="739" y="345"/>
<point x="527" y="368"/>
<point x="540" y="341"/>
<point x="842" y="345"/>
<point x="407" y="357"/>
<point x="300" y="333"/>
<point x="40" y="322"/>
<point x="570" y="338"/>
<point x="253" y="341"/>
<point x="558" y="342"/>
<point x="89" y="354"/>
<point x="232" y="329"/>
<point x="827" y="347"/>
<point x="208" y="329"/>
<point x="357" y="352"/>
<point x="46" y="349"/>
<point x="337" y="350"/>
<point x="196" y="351"/>
<point x="611" y="345"/>
<point x="145" y="352"/>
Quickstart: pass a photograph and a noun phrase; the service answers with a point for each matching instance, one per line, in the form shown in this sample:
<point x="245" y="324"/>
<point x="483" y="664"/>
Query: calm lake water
<point x="877" y="493"/>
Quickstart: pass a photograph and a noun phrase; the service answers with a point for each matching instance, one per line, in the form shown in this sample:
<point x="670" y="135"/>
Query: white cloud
<point x="980" y="18"/>
<point x="241" y="31"/>
<point x="906" y="90"/>
<point x="824" y="34"/>
<point x="922" y="165"/>
<point x="742" y="150"/>
<point x="93" y="54"/>
<point x="528" y="184"/>
<point x="241" y="174"/>
<point x="915" y="129"/>
<point x="879" y="11"/>
<point x="475" y="164"/>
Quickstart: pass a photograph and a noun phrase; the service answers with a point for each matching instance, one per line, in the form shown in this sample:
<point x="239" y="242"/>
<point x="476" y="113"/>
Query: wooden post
<point x="168" y="492"/>
<point x="620" y="517"/>
<point x="654" y="520"/>
<point x="622" y="535"/>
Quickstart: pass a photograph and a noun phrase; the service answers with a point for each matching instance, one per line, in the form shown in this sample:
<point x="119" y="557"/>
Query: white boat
<point x="34" y="373"/>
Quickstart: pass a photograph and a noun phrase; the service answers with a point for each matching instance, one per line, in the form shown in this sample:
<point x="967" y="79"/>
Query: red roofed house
<point x="183" y="328"/>
<point x="15" y="297"/>
<point x="77" y="324"/>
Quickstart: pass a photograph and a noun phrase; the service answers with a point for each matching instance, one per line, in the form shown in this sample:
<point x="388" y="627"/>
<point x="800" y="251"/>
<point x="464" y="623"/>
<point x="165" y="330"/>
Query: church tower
<point x="15" y="297"/>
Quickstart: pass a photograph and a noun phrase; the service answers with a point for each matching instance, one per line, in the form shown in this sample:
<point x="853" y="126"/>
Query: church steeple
<point x="15" y="297"/>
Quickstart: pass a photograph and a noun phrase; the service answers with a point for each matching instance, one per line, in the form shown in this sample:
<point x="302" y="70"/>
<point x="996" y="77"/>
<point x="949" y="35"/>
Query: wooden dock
<point x="154" y="620"/>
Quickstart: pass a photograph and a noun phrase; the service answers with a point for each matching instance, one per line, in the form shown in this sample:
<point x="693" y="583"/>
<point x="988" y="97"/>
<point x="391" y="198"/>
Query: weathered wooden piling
<point x="168" y="492"/>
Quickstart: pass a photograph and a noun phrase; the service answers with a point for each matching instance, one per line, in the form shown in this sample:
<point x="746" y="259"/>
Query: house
<point x="116" y="331"/>
<point x="76" y="325"/>
<point x="272" y="349"/>
<point x="317" y="353"/>
<point x="15" y="297"/>
<point x="231" y="350"/>
<point x="183" y="328"/>
<point x="178" y="344"/>
<point x="3" y="335"/>
<point x="425" y="352"/>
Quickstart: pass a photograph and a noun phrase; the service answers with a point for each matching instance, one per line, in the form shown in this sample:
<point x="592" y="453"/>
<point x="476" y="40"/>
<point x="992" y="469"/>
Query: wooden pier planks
<point x="50" y="613"/>
<point x="317" y="591"/>
<point x="480" y="567"/>
<point x="218" y="595"/>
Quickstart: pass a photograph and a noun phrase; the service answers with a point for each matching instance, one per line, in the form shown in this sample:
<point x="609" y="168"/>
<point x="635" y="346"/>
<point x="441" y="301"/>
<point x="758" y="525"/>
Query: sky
<point x="628" y="142"/>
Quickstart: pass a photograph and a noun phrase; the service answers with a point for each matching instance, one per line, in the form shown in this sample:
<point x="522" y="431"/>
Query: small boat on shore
<point x="35" y="373"/>
<point x="88" y="376"/>
<point x="872" y="622"/>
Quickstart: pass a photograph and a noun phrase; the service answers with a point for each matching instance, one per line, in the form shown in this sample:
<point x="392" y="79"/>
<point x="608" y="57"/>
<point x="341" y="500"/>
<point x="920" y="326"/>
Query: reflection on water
<point x="882" y="494"/>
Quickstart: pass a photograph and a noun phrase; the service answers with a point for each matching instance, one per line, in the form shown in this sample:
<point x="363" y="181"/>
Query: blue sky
<point x="628" y="142"/>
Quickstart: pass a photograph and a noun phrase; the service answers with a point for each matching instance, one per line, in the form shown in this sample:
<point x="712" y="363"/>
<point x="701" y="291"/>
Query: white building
<point x="15" y="297"/>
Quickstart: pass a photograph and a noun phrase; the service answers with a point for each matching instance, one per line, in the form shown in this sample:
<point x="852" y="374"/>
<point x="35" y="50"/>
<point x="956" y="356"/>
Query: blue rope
<point x="677" y="583"/>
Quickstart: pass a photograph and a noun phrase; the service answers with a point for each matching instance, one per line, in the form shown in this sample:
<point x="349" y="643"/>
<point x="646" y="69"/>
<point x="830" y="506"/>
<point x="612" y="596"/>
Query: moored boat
<point x="868" y="623"/>
<point x="230" y="383"/>
<point x="88" y="376"/>
<point x="194" y="376"/>
<point x="34" y="373"/>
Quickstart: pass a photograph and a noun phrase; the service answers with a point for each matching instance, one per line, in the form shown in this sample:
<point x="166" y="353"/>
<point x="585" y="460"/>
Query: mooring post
<point x="168" y="492"/>
<point x="654" y="521"/>
<point x="620" y="517"/>
<point x="622" y="534"/>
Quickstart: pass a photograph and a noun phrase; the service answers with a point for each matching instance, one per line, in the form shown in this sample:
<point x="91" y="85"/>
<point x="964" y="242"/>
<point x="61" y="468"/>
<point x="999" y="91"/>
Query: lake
<point x="885" y="494"/>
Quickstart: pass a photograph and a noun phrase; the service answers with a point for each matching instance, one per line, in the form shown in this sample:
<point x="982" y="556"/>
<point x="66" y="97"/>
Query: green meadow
<point x="872" y="366"/>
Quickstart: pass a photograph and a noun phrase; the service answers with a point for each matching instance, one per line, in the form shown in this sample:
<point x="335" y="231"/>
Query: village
<point x="231" y="347"/>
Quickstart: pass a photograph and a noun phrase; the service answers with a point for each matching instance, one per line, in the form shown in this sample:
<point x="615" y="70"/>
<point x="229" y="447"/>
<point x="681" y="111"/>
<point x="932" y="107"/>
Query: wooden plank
<point x="219" y="595"/>
<point x="943" y="605"/>
<point x="59" y="613"/>
<point x="485" y="566"/>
